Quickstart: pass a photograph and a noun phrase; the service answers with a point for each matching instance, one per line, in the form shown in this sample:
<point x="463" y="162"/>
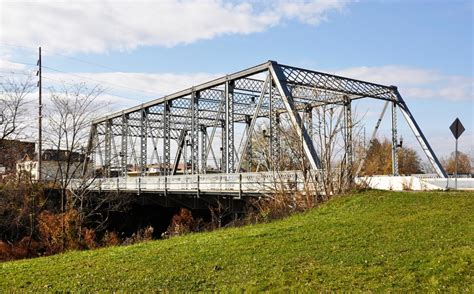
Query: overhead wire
<point x="50" y="52"/>
<point x="72" y="84"/>
<point x="80" y="76"/>
<point x="100" y="81"/>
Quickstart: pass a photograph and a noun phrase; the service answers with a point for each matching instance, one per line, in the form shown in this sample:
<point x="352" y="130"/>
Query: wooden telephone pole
<point x="40" y="106"/>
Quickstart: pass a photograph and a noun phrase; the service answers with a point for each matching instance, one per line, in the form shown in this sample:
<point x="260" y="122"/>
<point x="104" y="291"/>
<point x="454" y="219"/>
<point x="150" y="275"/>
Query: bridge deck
<point x="235" y="185"/>
<point x="239" y="185"/>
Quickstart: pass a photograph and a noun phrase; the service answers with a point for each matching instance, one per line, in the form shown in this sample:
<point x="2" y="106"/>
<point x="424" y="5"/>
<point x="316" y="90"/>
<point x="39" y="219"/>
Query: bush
<point x="59" y="232"/>
<point x="110" y="239"/>
<point x="140" y="236"/>
<point x="89" y="238"/>
<point x="181" y="224"/>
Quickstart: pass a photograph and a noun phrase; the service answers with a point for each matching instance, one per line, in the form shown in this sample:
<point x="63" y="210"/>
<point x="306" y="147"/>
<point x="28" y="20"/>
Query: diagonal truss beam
<point x="280" y="82"/>
<point x="252" y="123"/>
<point x="435" y="163"/>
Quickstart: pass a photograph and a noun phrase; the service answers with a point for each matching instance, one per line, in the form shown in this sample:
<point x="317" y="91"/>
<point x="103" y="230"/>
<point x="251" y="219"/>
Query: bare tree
<point x="72" y="110"/>
<point x="13" y="106"/>
<point x="327" y="129"/>
<point x="70" y="115"/>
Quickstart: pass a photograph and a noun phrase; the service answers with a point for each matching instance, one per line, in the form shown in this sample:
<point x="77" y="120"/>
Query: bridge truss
<point x="190" y="119"/>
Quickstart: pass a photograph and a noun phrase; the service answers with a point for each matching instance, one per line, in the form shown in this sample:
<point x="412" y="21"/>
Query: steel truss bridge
<point x="175" y="134"/>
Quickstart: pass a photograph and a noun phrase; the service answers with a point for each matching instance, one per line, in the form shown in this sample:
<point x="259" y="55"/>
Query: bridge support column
<point x="194" y="138"/>
<point x="308" y="120"/>
<point x="274" y="128"/>
<point x="394" y="140"/>
<point x="124" y="145"/>
<point x="248" y="152"/>
<point x="229" y="152"/>
<point x="203" y="146"/>
<point x="185" y="153"/>
<point x="143" y="141"/>
<point x="92" y="145"/>
<point x="166" y="139"/>
<point x="348" y="137"/>
<point x="223" y="147"/>
<point x="108" y="147"/>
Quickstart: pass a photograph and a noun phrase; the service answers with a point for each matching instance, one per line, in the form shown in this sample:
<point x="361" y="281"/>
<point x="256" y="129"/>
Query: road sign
<point x="457" y="128"/>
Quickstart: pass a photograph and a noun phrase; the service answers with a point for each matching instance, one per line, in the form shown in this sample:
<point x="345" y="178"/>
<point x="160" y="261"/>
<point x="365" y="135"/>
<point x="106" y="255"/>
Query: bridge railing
<point x="238" y="183"/>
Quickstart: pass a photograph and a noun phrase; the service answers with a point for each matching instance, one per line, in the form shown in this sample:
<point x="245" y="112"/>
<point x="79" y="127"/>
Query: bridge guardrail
<point x="239" y="183"/>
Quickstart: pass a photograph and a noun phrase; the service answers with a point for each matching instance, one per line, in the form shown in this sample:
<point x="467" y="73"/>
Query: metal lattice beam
<point x="222" y="104"/>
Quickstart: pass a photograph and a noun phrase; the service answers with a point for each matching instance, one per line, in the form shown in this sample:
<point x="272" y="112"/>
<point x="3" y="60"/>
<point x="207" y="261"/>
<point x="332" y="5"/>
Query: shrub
<point x="182" y="223"/>
<point x="110" y="239"/>
<point x="140" y="236"/>
<point x="89" y="238"/>
<point x="59" y="232"/>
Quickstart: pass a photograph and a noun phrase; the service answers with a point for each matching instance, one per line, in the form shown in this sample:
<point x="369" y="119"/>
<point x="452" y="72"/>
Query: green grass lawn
<point x="369" y="241"/>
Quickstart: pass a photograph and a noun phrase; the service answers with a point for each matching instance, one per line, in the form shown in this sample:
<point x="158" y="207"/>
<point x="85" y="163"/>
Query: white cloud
<point x="102" y="26"/>
<point x="7" y="65"/>
<point x="312" y="12"/>
<point x="139" y="87"/>
<point x="416" y="82"/>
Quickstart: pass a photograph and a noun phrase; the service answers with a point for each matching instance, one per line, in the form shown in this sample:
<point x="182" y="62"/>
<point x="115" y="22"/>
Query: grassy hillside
<point x="373" y="240"/>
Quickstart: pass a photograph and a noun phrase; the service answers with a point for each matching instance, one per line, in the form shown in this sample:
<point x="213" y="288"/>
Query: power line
<point x="72" y="84"/>
<point x="24" y="63"/>
<point x="91" y="79"/>
<point x="100" y="81"/>
<point x="65" y="56"/>
<point x="86" y="62"/>
<point x="17" y="73"/>
<point x="81" y="76"/>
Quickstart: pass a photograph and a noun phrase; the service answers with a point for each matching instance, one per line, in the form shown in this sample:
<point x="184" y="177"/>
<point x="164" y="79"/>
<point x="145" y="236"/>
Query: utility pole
<point x="40" y="106"/>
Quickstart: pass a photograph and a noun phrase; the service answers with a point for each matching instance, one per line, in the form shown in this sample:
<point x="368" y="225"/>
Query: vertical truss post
<point x="124" y="145"/>
<point x="348" y="136"/>
<point x="108" y="147"/>
<point x="99" y="150"/>
<point x="274" y="127"/>
<point x="394" y="140"/>
<point x="248" y="152"/>
<point x="185" y="153"/>
<point x="89" y="157"/>
<point x="223" y="147"/>
<point x="280" y="80"/>
<point x="203" y="148"/>
<point x="229" y="152"/>
<point x="143" y="141"/>
<point x="166" y="165"/>
<point x="194" y="132"/>
<point x="308" y="119"/>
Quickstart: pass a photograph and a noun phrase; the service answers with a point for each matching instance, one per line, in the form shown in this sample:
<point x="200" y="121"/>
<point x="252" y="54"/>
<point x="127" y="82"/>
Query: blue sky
<point x="424" y="47"/>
